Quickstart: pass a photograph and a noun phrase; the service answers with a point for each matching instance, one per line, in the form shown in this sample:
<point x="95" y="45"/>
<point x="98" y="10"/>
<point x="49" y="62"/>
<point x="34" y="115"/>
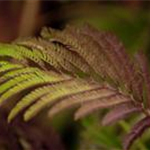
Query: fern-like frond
<point x="10" y="51"/>
<point x="55" y="95"/>
<point x="105" y="102"/>
<point x="16" y="81"/>
<point x="20" y="53"/>
<point x="57" y="55"/>
<point x="80" y="67"/>
<point x="120" y="112"/>
<point x="6" y="66"/>
<point x="81" y="98"/>
<point x="50" y="93"/>
<point x="89" y="52"/>
<point x="137" y="130"/>
<point x="143" y="64"/>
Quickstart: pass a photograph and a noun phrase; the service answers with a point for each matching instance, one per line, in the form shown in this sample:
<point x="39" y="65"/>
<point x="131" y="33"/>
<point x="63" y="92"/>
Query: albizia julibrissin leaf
<point x="113" y="49"/>
<point x="104" y="102"/>
<point x="137" y="130"/>
<point x="81" y="98"/>
<point x="143" y="64"/>
<point x="67" y="68"/>
<point x="85" y="47"/>
<point x="120" y="112"/>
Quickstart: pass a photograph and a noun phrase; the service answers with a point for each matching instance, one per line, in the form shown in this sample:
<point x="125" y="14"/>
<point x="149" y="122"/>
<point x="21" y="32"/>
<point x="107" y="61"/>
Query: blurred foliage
<point x="97" y="137"/>
<point x="131" y="27"/>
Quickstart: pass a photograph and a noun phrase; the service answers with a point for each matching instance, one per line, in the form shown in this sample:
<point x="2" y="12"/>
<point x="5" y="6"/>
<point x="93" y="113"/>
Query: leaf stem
<point x="126" y="128"/>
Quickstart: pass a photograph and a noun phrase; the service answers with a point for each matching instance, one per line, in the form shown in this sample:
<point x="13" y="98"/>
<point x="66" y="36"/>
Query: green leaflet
<point x="20" y="71"/>
<point x="14" y="81"/>
<point x="55" y="94"/>
<point x="20" y="53"/>
<point x="9" y="66"/>
<point x="10" y="50"/>
<point x="34" y="96"/>
<point x="80" y="99"/>
<point x="24" y="82"/>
